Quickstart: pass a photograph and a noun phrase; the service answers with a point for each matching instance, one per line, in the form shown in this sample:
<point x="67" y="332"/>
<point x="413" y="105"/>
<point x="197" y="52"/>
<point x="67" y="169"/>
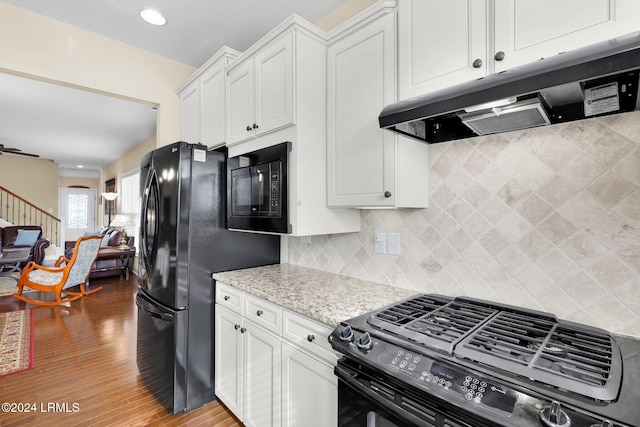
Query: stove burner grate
<point x="578" y="359"/>
<point x="433" y="322"/>
<point x="409" y="310"/>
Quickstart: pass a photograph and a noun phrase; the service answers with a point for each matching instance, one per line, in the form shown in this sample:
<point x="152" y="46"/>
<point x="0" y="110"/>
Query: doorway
<point x="77" y="212"/>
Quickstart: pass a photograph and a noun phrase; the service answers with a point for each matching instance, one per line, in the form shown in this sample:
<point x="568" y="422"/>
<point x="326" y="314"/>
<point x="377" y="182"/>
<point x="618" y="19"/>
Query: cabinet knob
<point x="248" y="128"/>
<point x="477" y="63"/>
<point x="255" y="126"/>
<point x="227" y="297"/>
<point x="499" y="56"/>
<point x="311" y="337"/>
<point x="243" y="330"/>
<point x="387" y="194"/>
<point x="236" y="327"/>
<point x="259" y="312"/>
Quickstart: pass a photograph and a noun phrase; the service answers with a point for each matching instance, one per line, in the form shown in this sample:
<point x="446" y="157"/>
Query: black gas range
<point x="433" y="360"/>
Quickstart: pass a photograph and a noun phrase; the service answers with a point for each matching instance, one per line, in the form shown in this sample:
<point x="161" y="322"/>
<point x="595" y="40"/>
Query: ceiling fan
<point x="15" y="151"/>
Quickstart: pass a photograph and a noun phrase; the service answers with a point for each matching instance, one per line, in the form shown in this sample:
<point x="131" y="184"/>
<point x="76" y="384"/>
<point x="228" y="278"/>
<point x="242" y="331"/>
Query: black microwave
<point x="258" y="191"/>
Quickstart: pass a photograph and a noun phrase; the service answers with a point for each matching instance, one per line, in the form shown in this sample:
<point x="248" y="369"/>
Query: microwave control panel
<point x="275" y="189"/>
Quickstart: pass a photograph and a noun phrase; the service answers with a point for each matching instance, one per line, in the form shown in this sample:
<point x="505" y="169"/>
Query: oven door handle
<point x="347" y="376"/>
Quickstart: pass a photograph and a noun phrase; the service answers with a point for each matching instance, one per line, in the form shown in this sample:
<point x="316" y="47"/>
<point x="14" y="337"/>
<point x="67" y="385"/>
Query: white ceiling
<point x="70" y="126"/>
<point x="75" y="127"/>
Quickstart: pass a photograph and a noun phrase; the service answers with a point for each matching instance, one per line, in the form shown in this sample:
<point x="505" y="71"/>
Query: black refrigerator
<point x="183" y="240"/>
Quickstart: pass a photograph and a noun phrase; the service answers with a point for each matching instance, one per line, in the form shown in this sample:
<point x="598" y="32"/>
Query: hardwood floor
<point x="85" y="366"/>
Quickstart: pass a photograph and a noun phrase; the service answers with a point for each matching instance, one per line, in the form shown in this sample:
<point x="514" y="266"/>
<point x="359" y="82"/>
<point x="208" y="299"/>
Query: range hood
<point x="596" y="80"/>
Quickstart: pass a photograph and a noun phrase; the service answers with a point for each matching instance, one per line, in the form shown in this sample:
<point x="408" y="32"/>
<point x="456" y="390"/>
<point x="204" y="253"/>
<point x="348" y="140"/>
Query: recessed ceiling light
<point x="153" y="17"/>
<point x="80" y="166"/>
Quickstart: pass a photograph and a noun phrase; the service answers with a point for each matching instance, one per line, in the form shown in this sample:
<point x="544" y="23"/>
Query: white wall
<point x="35" y="46"/>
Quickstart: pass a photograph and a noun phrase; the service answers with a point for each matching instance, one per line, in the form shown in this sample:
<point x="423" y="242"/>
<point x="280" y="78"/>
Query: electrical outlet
<point x="305" y="239"/>
<point x="380" y="242"/>
<point x="393" y="242"/>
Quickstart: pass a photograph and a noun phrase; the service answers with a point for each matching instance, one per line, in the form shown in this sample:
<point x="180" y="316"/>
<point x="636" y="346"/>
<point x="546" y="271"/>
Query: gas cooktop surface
<point x="536" y="345"/>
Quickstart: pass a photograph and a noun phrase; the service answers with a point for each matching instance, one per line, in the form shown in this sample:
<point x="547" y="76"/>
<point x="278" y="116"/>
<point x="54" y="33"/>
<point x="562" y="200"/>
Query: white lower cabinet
<point x="273" y="367"/>
<point x="261" y="376"/>
<point x="309" y="390"/>
<point x="228" y="359"/>
<point x="247" y="362"/>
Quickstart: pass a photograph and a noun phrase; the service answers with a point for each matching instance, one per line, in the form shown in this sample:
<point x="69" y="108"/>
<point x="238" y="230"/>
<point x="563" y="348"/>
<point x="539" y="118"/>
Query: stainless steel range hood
<point x="588" y="82"/>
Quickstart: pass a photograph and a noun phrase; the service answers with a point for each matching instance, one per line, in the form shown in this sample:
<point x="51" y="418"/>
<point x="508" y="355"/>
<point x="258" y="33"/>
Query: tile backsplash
<point x="546" y="218"/>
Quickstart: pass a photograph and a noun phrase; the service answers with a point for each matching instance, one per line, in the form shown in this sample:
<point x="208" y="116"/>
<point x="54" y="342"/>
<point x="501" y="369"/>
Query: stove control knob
<point x="554" y="416"/>
<point x="346" y="334"/>
<point x="364" y="341"/>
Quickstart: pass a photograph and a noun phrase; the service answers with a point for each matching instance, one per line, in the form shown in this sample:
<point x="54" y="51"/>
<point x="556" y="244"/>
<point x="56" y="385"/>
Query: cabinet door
<point x="262" y="375"/>
<point x="527" y="30"/>
<point x="309" y="390"/>
<point x="228" y="360"/>
<point x="213" y="105"/>
<point x="440" y="43"/>
<point x="190" y="113"/>
<point x="274" y="85"/>
<point x="240" y="100"/>
<point x="361" y="80"/>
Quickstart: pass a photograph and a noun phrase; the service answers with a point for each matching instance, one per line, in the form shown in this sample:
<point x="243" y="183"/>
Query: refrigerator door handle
<point x="152" y="311"/>
<point x="147" y="241"/>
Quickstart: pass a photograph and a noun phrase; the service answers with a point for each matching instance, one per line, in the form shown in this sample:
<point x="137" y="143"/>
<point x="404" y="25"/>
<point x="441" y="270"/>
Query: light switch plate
<point x="380" y="242"/>
<point x="393" y="243"/>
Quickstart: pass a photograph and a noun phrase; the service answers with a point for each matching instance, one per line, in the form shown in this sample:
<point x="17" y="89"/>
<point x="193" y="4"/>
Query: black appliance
<point x="183" y="240"/>
<point x="591" y="81"/>
<point x="258" y="190"/>
<point x="433" y="360"/>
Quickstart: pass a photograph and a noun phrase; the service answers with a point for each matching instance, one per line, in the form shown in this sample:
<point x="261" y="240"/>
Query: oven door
<point x="357" y="409"/>
<point x="367" y="397"/>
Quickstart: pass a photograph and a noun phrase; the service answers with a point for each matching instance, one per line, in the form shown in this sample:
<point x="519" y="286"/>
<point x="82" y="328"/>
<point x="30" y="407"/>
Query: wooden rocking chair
<point x="56" y="279"/>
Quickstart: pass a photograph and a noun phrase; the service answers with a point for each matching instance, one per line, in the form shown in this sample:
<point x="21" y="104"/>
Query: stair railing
<point x="19" y="211"/>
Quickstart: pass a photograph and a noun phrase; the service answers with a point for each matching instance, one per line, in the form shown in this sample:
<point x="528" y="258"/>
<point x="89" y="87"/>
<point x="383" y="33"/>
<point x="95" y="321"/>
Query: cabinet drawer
<point x="263" y="313"/>
<point x="229" y="297"/>
<point x="308" y="335"/>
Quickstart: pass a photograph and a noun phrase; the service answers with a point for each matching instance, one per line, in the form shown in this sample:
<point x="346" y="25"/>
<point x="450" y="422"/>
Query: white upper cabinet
<point x="190" y="113"/>
<point x="368" y="166"/>
<point x="261" y="91"/>
<point x="445" y="43"/>
<point x="213" y="104"/>
<point x="274" y="85"/>
<point x="527" y="30"/>
<point x="202" y="102"/>
<point x="240" y="103"/>
<point x="280" y="85"/>
<point x="440" y="43"/>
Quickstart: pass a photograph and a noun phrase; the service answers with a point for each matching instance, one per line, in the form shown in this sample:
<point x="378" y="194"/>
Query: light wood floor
<point x="85" y="355"/>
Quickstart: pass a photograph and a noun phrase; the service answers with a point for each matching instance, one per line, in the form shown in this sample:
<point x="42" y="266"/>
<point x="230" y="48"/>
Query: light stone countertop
<point x="325" y="297"/>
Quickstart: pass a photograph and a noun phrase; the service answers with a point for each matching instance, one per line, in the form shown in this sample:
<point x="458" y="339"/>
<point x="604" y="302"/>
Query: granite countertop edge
<point x="325" y="297"/>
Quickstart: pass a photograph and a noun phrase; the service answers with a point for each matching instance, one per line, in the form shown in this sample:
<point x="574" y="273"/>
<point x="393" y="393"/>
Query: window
<point x="130" y="201"/>
<point x="78" y="211"/>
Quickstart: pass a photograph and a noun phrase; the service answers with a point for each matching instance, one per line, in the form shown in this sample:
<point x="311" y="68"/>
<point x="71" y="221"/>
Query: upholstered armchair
<point x="22" y="237"/>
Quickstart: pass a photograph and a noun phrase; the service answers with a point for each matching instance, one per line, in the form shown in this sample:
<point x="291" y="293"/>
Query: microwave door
<point x="262" y="190"/>
<point x="241" y="195"/>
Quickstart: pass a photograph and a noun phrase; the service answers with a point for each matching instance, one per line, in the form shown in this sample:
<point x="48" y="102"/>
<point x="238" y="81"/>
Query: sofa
<point x="109" y="261"/>
<point x="22" y="237"/>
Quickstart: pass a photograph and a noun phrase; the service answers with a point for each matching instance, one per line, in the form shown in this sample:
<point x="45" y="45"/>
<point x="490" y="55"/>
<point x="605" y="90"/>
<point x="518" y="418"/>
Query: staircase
<point x="18" y="211"/>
